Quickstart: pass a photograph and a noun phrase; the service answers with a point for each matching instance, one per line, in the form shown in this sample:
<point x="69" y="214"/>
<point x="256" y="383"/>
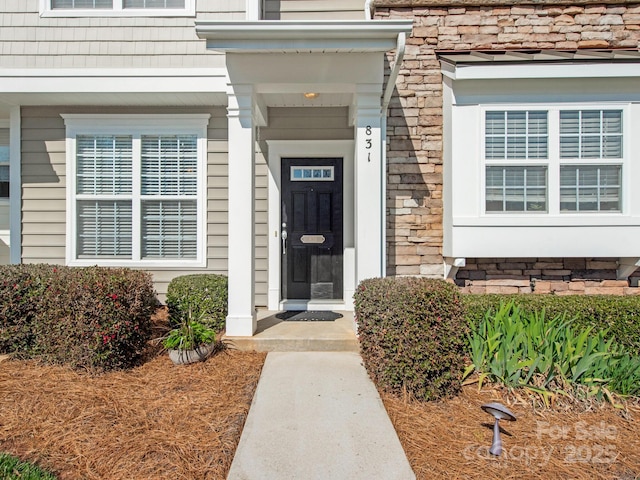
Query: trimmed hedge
<point x="617" y="314"/>
<point x="412" y="335"/>
<point x="95" y="318"/>
<point x="200" y="297"/>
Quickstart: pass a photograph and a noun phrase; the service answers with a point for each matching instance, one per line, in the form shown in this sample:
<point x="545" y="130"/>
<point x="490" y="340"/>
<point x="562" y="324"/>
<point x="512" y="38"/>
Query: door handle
<point x="284" y="236"/>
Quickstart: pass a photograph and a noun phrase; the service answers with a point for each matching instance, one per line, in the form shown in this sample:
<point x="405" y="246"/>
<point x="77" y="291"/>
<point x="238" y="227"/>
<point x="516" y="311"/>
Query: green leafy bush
<point x="412" y="335"/>
<point x="201" y="297"/>
<point x="188" y="336"/>
<point x="547" y="355"/>
<point x="619" y="315"/>
<point x="96" y="318"/>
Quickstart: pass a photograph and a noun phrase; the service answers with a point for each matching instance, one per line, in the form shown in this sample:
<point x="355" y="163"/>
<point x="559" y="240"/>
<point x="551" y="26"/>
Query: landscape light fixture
<point x="311" y="95"/>
<point x="499" y="412"/>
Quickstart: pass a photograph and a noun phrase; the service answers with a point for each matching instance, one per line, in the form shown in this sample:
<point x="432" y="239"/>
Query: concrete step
<point x="276" y="335"/>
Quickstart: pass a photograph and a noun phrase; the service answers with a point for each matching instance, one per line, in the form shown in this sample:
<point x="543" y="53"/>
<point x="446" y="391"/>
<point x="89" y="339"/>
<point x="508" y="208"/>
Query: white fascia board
<point x="484" y="71"/>
<point x="294" y="36"/>
<point x="112" y="80"/>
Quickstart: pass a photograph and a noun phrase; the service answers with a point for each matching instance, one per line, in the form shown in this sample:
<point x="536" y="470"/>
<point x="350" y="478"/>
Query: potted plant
<point x="190" y="342"/>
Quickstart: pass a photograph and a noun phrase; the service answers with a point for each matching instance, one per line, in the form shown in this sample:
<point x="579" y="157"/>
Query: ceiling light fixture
<point x="311" y="95"/>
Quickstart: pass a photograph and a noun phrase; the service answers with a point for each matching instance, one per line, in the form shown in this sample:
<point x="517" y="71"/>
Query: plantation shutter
<point x="66" y="4"/>
<point x="153" y="4"/>
<point x="104" y="173"/>
<point x="169" y="196"/>
<point x="516" y="134"/>
<point x="591" y="134"/>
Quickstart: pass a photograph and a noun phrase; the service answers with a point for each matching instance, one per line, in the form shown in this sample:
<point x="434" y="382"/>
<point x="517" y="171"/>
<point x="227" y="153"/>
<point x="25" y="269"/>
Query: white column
<point x="253" y="10"/>
<point x="15" y="186"/>
<point x="241" y="319"/>
<point x="368" y="186"/>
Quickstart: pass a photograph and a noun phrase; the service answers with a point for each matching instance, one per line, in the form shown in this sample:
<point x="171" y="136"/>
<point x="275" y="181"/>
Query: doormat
<point x="308" y="316"/>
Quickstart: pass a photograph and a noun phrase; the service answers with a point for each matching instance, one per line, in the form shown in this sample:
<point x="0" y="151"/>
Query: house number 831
<point x="368" y="141"/>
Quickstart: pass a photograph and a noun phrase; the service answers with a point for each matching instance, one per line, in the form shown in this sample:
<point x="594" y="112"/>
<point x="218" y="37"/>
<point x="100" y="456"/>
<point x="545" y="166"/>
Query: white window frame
<point x="136" y="126"/>
<point x="189" y="10"/>
<point x="553" y="162"/>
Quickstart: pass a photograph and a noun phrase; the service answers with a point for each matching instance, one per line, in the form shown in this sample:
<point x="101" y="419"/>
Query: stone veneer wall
<point x="414" y="189"/>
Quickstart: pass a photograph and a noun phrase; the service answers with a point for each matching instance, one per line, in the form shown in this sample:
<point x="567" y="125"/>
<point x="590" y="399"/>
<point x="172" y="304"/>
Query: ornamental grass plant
<point x="549" y="356"/>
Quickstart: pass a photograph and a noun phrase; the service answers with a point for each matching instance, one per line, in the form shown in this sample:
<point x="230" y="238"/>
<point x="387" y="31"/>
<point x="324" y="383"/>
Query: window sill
<point x="146" y="264"/>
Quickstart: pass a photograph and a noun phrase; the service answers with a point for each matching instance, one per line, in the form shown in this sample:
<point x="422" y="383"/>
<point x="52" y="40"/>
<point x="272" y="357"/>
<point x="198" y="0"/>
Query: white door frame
<point x="279" y="149"/>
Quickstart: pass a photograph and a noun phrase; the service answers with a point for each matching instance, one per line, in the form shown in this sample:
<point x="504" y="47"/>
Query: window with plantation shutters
<point x="137" y="189"/>
<point x="572" y="155"/>
<point x="102" y="8"/>
<point x="516" y="156"/>
<point x="103" y="192"/>
<point x="169" y="196"/>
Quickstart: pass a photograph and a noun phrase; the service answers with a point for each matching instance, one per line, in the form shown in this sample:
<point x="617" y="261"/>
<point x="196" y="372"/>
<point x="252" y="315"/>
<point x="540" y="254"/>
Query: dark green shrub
<point x="21" y="291"/>
<point x="620" y="316"/>
<point x="95" y="318"/>
<point x="412" y="335"/>
<point x="201" y="298"/>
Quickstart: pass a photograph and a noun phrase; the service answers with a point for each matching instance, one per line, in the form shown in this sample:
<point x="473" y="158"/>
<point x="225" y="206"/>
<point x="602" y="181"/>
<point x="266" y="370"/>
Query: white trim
<point x="113" y="81"/>
<point x="15" y="186"/>
<point x="118" y="11"/>
<point x="309" y="149"/>
<point x="136" y="125"/>
<point x="253" y="11"/>
<point x="484" y="71"/>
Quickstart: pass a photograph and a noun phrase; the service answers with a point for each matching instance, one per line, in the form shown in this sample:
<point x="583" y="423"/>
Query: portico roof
<point x="302" y="36"/>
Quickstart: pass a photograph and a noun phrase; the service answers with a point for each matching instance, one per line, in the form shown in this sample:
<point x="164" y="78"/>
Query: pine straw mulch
<point x="450" y="439"/>
<point x="155" y="421"/>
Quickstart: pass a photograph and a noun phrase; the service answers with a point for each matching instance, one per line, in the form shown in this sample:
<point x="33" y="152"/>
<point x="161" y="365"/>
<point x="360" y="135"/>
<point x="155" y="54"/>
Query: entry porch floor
<point x="276" y="335"/>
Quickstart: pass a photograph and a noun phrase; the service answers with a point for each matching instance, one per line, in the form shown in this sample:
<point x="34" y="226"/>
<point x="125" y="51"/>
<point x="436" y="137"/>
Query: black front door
<point x="312" y="219"/>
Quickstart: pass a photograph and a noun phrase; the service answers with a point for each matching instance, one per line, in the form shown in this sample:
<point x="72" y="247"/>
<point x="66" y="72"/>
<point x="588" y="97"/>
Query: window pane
<point x="4" y="181"/>
<point x="590" y="188"/>
<point x="516" y="147"/>
<point x="169" y="229"/>
<point x="612" y="146"/>
<point x="66" y="4"/>
<point x="153" y="4"/>
<point x="169" y="165"/>
<point x="516" y="134"/>
<point x="104" y="229"/>
<point x="591" y="121"/>
<point x="516" y="189"/>
<point x="591" y="134"/>
<point x="516" y="123"/>
<point x="104" y="164"/>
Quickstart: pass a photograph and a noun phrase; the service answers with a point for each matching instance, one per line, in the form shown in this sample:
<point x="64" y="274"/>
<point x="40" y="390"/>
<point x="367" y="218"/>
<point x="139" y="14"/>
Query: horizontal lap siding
<point x="314" y="10"/>
<point x="306" y="123"/>
<point x="28" y="40"/>
<point x="44" y="187"/>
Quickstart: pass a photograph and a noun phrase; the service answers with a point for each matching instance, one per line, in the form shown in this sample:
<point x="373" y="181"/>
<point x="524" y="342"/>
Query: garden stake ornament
<point x="499" y="412"/>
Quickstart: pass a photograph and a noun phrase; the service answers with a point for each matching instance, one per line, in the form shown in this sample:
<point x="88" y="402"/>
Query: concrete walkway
<point x="317" y="415"/>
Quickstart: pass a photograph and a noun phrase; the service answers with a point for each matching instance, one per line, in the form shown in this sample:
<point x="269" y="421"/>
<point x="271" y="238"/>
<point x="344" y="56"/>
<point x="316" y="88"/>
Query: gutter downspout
<point x="386" y="99"/>
<point x="368" y="10"/>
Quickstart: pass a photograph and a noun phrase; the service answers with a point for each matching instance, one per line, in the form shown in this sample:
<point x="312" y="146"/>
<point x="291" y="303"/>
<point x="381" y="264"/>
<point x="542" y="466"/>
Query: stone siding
<point x="569" y="276"/>
<point x="414" y="189"/>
